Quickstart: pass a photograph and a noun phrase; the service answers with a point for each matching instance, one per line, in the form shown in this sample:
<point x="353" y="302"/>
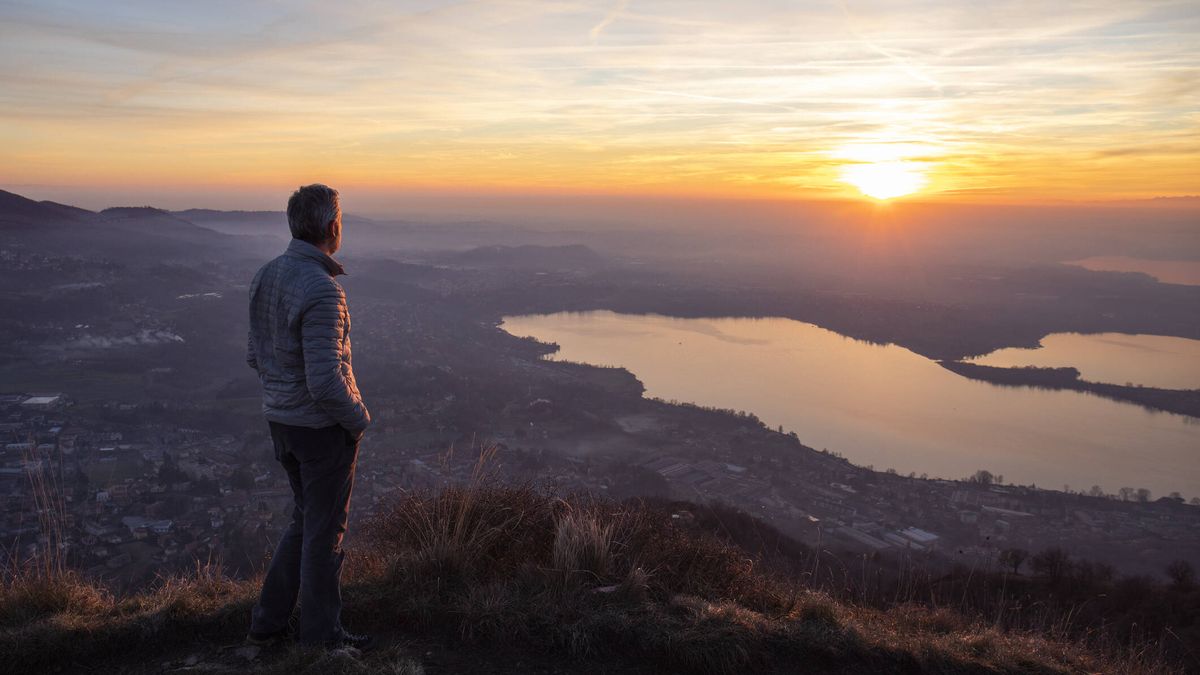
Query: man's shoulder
<point x="293" y="268"/>
<point x="314" y="283"/>
<point x="269" y="265"/>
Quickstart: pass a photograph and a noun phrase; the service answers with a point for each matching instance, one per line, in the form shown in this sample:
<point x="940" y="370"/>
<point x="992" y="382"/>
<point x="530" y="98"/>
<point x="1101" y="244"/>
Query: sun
<point x="884" y="180"/>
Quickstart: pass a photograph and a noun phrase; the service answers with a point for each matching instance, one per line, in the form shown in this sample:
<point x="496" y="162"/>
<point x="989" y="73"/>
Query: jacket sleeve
<point x="323" y="321"/>
<point x="251" y="357"/>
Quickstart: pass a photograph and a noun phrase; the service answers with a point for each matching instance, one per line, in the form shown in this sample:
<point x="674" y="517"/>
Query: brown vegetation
<point x="576" y="581"/>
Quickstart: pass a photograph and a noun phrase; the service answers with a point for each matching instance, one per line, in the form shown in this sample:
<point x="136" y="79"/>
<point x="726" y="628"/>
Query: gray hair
<point x="310" y="210"/>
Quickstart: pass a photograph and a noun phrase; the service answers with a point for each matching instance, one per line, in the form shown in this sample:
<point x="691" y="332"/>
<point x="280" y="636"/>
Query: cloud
<point x="674" y="94"/>
<point x="608" y="19"/>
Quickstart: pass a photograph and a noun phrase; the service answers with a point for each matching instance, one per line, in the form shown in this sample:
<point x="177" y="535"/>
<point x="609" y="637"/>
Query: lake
<point x="1118" y="358"/>
<point x="1167" y="271"/>
<point x="883" y="405"/>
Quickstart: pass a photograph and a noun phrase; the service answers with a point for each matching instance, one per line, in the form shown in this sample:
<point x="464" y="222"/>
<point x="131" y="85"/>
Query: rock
<point x="249" y="652"/>
<point x="345" y="653"/>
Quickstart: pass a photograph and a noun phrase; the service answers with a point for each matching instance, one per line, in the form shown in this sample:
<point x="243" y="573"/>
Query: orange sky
<point x="999" y="101"/>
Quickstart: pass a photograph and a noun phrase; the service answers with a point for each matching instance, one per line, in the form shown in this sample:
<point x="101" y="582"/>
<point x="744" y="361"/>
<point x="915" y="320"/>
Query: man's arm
<point x="322" y="322"/>
<point x="251" y="357"/>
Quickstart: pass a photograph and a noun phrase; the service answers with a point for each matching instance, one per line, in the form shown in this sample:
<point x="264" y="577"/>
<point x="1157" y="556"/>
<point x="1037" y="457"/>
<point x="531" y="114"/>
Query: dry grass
<point x="582" y="544"/>
<point x="31" y="595"/>
<point x="576" y="579"/>
<point x="58" y="621"/>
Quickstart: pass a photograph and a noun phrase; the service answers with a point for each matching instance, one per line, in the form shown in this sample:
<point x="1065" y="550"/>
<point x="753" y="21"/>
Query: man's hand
<point x="353" y="437"/>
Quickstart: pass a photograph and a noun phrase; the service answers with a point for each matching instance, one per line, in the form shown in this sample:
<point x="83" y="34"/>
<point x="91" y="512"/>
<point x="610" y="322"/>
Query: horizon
<point x="566" y="208"/>
<point x="190" y="107"/>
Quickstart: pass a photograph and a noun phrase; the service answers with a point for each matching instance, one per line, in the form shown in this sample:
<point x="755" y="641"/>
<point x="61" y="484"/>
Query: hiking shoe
<point x="266" y="639"/>
<point x="363" y="643"/>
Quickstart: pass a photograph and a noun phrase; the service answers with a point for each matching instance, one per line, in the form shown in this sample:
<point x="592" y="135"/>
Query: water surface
<point x="883" y="405"/>
<point x="1167" y="271"/>
<point x="1118" y="358"/>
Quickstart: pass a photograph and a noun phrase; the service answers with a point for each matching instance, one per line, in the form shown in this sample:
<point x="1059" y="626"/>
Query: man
<point x="299" y="343"/>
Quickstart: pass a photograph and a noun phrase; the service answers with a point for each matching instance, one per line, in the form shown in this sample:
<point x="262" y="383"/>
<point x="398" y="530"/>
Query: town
<point x="127" y="503"/>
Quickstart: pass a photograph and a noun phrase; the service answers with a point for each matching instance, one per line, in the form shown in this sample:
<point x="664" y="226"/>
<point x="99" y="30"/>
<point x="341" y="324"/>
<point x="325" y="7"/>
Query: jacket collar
<point x="299" y="248"/>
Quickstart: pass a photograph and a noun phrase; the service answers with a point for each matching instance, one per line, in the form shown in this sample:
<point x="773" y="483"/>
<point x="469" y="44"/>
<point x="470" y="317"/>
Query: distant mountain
<point x="147" y="220"/>
<point x="141" y="235"/>
<point x="269" y="223"/>
<point x="18" y="210"/>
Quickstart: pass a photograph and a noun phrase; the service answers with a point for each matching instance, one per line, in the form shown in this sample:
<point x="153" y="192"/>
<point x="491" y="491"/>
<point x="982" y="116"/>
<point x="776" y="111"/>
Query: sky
<point x="228" y="104"/>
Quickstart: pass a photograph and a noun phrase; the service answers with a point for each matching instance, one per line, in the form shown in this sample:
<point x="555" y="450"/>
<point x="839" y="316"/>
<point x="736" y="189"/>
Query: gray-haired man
<point x="299" y="343"/>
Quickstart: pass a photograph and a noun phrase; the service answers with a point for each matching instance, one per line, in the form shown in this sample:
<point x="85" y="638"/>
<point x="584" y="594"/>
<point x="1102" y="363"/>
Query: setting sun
<point x="884" y="180"/>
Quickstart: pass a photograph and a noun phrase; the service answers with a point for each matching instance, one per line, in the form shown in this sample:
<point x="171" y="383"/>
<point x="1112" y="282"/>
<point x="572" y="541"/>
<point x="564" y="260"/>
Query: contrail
<point x="899" y="61"/>
<point x="608" y="19"/>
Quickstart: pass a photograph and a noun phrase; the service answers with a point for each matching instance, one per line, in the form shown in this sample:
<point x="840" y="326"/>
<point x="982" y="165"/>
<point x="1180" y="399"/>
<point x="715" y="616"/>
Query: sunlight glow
<point x="758" y="98"/>
<point x="884" y="180"/>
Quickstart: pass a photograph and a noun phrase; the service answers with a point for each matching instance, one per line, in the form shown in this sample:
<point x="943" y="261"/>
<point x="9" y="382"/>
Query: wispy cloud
<point x="608" y="19"/>
<point x="1072" y="98"/>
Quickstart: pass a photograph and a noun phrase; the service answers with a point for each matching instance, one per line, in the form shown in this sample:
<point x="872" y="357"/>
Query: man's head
<point x="315" y="215"/>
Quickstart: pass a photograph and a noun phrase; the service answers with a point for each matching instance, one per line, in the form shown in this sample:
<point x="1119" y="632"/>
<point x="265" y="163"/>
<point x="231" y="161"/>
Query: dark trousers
<point x="308" y="560"/>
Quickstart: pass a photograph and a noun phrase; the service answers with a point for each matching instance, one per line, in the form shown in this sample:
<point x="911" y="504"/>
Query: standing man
<point x="300" y="345"/>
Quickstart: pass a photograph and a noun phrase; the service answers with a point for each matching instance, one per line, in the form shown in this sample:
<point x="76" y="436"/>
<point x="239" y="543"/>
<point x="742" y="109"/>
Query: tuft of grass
<point x="31" y="595"/>
<point x="583" y="544"/>
<point x="819" y="613"/>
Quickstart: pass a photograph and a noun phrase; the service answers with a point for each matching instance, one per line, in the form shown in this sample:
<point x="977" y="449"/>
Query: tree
<point x="982" y="477"/>
<point x="1182" y="573"/>
<point x="1052" y="562"/>
<point x="1126" y="494"/>
<point x="1096" y="491"/>
<point x="242" y="479"/>
<point x="1013" y="557"/>
<point x="1195" y="501"/>
<point x="1143" y="495"/>
<point x="1089" y="573"/>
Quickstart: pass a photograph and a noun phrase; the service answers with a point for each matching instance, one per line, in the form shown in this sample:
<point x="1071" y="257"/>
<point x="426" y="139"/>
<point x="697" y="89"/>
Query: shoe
<point x="363" y="643"/>
<point x="265" y="639"/>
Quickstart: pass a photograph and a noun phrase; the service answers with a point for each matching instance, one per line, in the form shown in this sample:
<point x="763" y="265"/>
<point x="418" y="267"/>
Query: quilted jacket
<point x="299" y="342"/>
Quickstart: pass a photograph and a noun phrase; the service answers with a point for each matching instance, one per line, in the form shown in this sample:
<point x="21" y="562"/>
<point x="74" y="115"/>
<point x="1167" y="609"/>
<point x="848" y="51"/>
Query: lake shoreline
<point x="1177" y="401"/>
<point x="882" y="405"/>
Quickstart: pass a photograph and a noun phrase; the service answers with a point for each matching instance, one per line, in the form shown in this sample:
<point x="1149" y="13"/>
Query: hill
<point x="141" y="236"/>
<point x="16" y="211"/>
<point x="491" y="579"/>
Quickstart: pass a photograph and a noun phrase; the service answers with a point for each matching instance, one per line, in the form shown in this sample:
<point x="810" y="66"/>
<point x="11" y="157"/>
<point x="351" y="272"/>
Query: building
<point x="47" y="402"/>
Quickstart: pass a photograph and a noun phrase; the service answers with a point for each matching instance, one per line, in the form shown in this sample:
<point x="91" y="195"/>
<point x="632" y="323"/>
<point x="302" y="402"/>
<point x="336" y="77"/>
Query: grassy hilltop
<point x="493" y="579"/>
